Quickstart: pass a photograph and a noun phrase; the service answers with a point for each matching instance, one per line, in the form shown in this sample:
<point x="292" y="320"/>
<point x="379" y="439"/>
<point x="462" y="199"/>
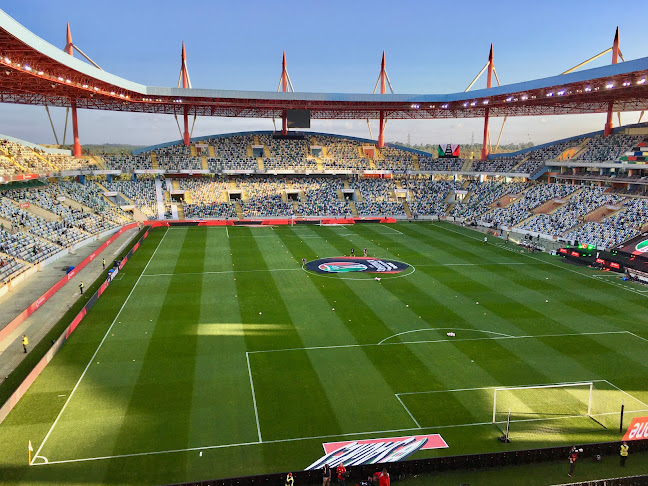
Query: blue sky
<point x="332" y="46"/>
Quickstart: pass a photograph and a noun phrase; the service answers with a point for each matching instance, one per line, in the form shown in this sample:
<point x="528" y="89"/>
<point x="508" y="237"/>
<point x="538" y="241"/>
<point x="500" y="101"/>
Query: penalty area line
<point x="318" y="437"/>
<point x="37" y="454"/>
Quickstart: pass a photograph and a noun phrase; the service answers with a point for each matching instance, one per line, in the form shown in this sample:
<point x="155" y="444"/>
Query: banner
<point x="449" y="150"/>
<point x="375" y="451"/>
<point x="638" y="429"/>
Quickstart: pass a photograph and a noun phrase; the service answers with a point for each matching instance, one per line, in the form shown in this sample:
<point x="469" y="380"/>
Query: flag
<point x="31" y="449"/>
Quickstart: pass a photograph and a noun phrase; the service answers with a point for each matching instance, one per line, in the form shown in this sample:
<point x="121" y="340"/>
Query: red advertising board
<point x="638" y="429"/>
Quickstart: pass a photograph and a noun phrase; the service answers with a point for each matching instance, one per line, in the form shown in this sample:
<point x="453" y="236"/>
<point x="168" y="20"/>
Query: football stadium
<point x="263" y="306"/>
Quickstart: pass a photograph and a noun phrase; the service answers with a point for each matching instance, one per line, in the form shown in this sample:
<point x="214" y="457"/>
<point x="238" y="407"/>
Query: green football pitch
<point x="216" y="354"/>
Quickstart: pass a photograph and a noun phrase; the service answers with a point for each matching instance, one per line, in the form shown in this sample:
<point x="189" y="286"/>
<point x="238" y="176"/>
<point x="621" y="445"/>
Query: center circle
<point x="358" y="268"/>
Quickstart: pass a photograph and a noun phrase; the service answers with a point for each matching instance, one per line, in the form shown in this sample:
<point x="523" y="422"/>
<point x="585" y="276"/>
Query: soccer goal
<point x="543" y="401"/>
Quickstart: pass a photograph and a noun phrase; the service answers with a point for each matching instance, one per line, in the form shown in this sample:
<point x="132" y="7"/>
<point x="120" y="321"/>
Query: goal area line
<point x="495" y="422"/>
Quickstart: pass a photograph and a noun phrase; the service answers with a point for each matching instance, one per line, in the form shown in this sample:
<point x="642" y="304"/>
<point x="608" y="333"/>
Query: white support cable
<point x="54" y="130"/>
<point x="186" y="70"/>
<point x="76" y="48"/>
<point x="290" y="82"/>
<point x="476" y="77"/>
<point x="499" y="137"/>
<point x="370" y="132"/>
<point x="193" y="125"/>
<point x="389" y="83"/>
<point x="178" y="123"/>
<point x="496" y="76"/>
<point x="67" y="112"/>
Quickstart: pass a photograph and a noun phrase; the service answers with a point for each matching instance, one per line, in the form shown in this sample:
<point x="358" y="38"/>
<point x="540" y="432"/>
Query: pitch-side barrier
<point x="605" y="451"/>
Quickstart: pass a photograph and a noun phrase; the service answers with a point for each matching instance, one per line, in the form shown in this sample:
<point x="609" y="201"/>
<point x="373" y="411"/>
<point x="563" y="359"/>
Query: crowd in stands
<point x="569" y="214"/>
<point x="496" y="165"/>
<point x="532" y="198"/>
<point x="128" y="163"/>
<point x="264" y="197"/>
<point x="480" y="195"/>
<point x="428" y="197"/>
<point x="444" y="164"/>
<point x="208" y="199"/>
<point x="320" y="197"/>
<point x="377" y="197"/>
<point x="16" y="158"/>
<point x="140" y="192"/>
<point x="602" y="149"/>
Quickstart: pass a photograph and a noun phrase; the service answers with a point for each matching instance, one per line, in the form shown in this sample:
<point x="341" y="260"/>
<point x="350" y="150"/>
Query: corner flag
<point x="30" y="449"/>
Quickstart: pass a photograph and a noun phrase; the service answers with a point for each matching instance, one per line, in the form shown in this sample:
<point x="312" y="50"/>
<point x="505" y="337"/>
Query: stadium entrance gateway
<point x="332" y="265"/>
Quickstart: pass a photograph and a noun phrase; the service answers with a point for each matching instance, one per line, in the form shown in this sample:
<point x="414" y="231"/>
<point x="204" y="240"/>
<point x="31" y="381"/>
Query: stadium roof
<point x="32" y="71"/>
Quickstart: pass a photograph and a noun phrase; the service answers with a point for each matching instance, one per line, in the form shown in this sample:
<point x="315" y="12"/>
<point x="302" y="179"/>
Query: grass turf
<point x="167" y="356"/>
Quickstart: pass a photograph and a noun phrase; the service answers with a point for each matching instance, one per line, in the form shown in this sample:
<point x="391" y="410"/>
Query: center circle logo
<point x="343" y="264"/>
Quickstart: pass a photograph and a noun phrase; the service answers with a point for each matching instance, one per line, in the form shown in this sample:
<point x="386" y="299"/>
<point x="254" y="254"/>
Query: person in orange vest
<point x="25" y="342"/>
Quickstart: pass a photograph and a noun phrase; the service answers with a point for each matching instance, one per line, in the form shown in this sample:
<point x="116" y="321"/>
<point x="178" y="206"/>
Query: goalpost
<point x="562" y="399"/>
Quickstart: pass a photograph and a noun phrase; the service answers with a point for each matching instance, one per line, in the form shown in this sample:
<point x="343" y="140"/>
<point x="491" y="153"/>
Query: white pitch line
<point x="594" y="277"/>
<point x="319" y="437"/>
<point x="97" y="350"/>
<point x="440" y="329"/>
<point x="394" y="229"/>
<point x="477" y="264"/>
<point x="256" y="412"/>
<point x="503" y="386"/>
<point x="341" y="346"/>
<point x="637" y="336"/>
<point x="408" y="412"/>
<point x="226" y="231"/>
<point x="623" y="391"/>
<point x="223" y="271"/>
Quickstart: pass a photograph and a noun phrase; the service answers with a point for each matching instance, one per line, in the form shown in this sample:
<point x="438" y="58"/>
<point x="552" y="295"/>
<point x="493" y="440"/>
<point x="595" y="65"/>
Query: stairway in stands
<point x="239" y="210"/>
<point x="154" y="162"/>
<point x="407" y="209"/>
<point x="354" y="210"/>
<point x="159" y="198"/>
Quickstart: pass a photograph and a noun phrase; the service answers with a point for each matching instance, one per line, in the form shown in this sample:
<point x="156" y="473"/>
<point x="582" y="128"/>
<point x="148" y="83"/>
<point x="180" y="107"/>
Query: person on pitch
<point x="303" y="262"/>
<point x="342" y="474"/>
<point x="365" y="252"/>
<point x="623" y="454"/>
<point x="25" y="342"/>
<point x="573" y="457"/>
<point x="384" y="479"/>
<point x="81" y="288"/>
<point x="352" y="252"/>
<point x="326" y="475"/>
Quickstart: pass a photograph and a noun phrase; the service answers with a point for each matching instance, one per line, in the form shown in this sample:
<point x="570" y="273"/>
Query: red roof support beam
<point x="381" y="130"/>
<point x="185" y="84"/>
<point x="284" y="89"/>
<point x="489" y="84"/>
<point x="76" y="148"/>
<point x="615" y="59"/>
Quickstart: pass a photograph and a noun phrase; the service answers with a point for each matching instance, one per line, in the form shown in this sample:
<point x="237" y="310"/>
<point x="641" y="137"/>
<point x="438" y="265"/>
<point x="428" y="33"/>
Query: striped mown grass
<point x="217" y="355"/>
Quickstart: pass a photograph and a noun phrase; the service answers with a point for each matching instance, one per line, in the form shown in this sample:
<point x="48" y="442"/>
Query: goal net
<point x="532" y="403"/>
